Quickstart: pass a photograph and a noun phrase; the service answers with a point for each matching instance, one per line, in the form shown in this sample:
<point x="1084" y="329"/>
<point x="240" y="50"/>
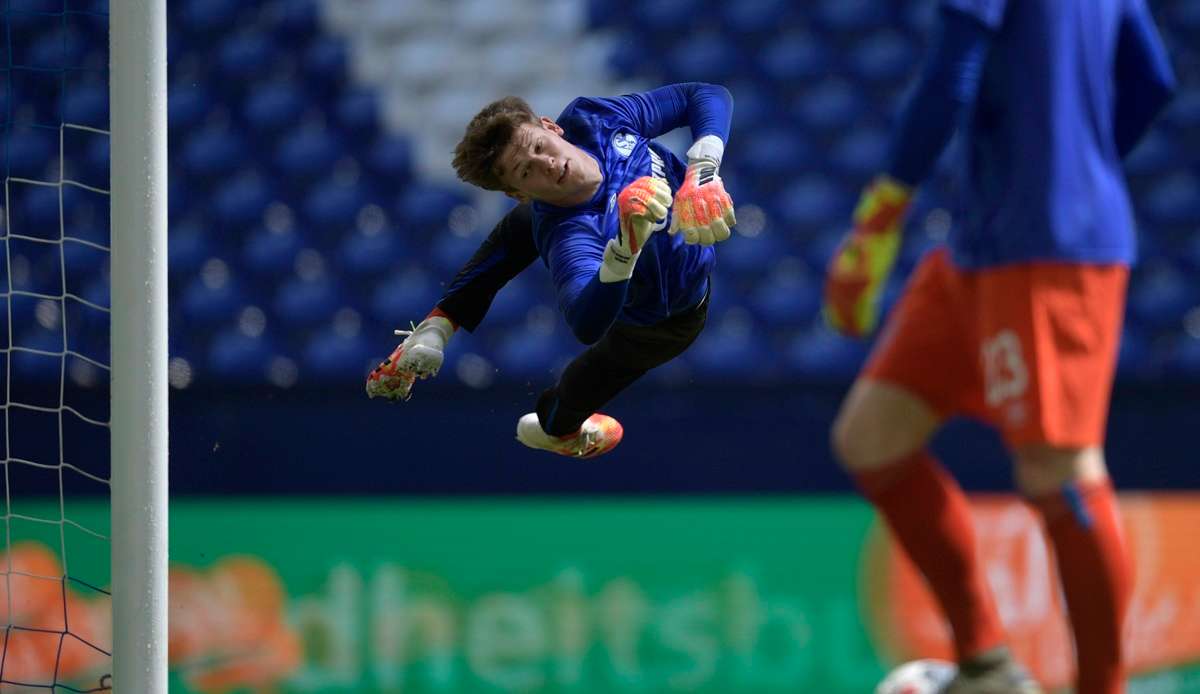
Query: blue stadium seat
<point x="206" y="17"/>
<point x="852" y="15"/>
<point x="365" y="254"/>
<point x="304" y="303"/>
<point x="812" y="202"/>
<point x="273" y="107"/>
<point x="1160" y="295"/>
<point x="342" y="354"/>
<point x="773" y="151"/>
<point x="1184" y="360"/>
<point x="756" y="16"/>
<point x="357" y="112"/>
<point x="532" y="356"/>
<point x="666" y="16"/>
<point x="754" y="104"/>
<point x="87" y="104"/>
<point x="1154" y="154"/>
<point x="604" y="13"/>
<point x="1184" y="110"/>
<point x="39" y="211"/>
<point x="1135" y="358"/>
<point x="235" y="355"/>
<point x="704" y="57"/>
<point x="732" y="349"/>
<point x="426" y="206"/>
<point x="332" y="205"/>
<point x="210" y="298"/>
<point x="820" y="355"/>
<point x="240" y="201"/>
<point x="513" y="302"/>
<point x="81" y="261"/>
<point x="1184" y="14"/>
<point x="789" y="297"/>
<point x="245" y="57"/>
<point x="861" y="153"/>
<point x="829" y="104"/>
<point x="307" y="152"/>
<point x="188" y="246"/>
<point x="99" y="292"/>
<point x="211" y="152"/>
<point x="1189" y="252"/>
<point x="628" y="57"/>
<point x="271" y="252"/>
<point x="1174" y="199"/>
<point x="794" y="57"/>
<point x="29" y="151"/>
<point x="884" y="56"/>
<point x="187" y="105"/>
<point x="325" y="63"/>
<point x="404" y="296"/>
<point x="448" y="251"/>
<point x="391" y="158"/>
<point x="56" y="49"/>
<point x="749" y="256"/>
<point x="34" y="367"/>
<point x="293" y="20"/>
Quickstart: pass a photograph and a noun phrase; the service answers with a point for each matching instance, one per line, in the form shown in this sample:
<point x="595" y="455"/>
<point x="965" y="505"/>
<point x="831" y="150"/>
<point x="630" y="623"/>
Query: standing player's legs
<point x="1049" y="361"/>
<point x="914" y="380"/>
<point x="606" y="368"/>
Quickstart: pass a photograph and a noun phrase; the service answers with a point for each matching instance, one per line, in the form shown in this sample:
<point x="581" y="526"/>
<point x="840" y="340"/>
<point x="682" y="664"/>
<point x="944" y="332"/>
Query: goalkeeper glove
<point x="419" y="356"/>
<point x="703" y="210"/>
<point x="860" y="266"/>
<point x="640" y="208"/>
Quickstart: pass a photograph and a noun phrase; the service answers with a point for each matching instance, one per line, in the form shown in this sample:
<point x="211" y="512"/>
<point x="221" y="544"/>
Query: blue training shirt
<point x="1056" y="105"/>
<point x="670" y="276"/>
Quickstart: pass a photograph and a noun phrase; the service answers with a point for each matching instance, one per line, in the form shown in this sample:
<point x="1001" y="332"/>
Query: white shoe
<point x="992" y="672"/>
<point x="598" y="435"/>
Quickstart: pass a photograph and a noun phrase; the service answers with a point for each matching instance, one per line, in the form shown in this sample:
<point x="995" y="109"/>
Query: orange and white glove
<point x="861" y="265"/>
<point x="703" y="210"/>
<point x="642" y="207"/>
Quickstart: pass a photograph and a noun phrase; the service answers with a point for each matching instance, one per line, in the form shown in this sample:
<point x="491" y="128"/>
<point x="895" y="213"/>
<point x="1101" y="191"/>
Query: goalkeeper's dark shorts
<point x="622" y="356"/>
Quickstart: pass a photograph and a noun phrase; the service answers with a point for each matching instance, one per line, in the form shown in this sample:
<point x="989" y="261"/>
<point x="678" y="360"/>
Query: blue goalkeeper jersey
<point x="1043" y="169"/>
<point x="670" y="276"/>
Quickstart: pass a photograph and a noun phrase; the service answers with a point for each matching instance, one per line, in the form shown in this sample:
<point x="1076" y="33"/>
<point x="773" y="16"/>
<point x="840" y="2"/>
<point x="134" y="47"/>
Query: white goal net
<point x="56" y="587"/>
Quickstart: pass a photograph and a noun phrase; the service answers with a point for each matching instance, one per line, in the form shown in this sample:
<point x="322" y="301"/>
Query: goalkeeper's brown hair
<point x="487" y="135"/>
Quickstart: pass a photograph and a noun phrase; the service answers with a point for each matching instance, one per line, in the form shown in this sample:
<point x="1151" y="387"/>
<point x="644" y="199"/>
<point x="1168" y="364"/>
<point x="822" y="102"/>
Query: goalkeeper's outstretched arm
<point x="506" y="252"/>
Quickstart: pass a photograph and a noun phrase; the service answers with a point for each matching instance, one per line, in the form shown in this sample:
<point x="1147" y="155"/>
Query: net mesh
<point x="55" y="292"/>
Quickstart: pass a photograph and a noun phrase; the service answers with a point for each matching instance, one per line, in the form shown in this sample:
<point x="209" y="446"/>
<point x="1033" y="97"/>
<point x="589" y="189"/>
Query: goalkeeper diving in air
<point x="596" y="194"/>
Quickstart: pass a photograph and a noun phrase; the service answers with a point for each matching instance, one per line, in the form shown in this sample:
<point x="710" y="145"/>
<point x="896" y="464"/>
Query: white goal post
<point x="138" y="184"/>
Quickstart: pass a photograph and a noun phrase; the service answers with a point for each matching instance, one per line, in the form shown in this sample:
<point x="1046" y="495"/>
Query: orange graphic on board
<point x="1163" y="626"/>
<point x="226" y="625"/>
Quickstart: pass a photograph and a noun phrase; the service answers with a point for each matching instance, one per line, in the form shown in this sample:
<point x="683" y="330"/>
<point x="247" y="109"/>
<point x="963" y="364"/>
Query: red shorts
<point x="1030" y="348"/>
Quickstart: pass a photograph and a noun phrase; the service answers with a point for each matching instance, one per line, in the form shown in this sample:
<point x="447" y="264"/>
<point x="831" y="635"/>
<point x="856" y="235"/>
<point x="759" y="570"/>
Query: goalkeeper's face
<point x="540" y="165"/>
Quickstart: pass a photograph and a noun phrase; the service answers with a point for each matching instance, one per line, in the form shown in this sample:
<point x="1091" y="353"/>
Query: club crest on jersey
<point x="624" y="142"/>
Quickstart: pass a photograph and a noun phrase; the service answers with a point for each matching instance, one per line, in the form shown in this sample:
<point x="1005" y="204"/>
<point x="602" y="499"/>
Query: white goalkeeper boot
<point x="598" y="435"/>
<point x="992" y="672"/>
<point x="419" y="356"/>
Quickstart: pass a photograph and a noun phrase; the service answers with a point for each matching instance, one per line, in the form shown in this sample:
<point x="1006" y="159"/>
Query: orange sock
<point x="1084" y="525"/>
<point x="929" y="517"/>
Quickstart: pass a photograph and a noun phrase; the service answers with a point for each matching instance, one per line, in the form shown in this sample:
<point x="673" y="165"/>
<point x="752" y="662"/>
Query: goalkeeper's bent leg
<point x="614" y="363"/>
